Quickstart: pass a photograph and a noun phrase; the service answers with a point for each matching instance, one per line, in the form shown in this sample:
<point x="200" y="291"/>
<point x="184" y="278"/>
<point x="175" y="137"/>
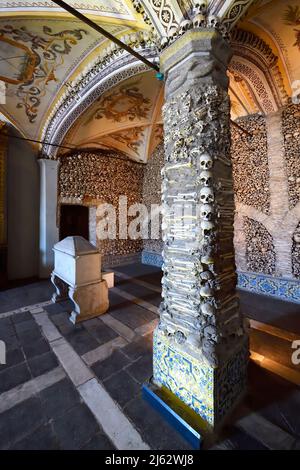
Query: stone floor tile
<point x="30" y="336"/>
<point x="42" y="438"/>
<point x="19" y="421"/>
<point x="13" y="376"/>
<point x="38" y="365"/>
<point x="26" y="325"/>
<point x="36" y="348"/>
<point x="21" y="317"/>
<point x="101" y="332"/>
<point x="75" y="427"/>
<point x="13" y="357"/>
<point x="59" y="398"/>
<point x="138" y="348"/>
<point x="98" y="442"/>
<point x="82" y="341"/>
<point x="142" y="369"/>
<point x="104" y="351"/>
<point x="133" y="316"/>
<point x="115" y="362"/>
<point x="122" y="387"/>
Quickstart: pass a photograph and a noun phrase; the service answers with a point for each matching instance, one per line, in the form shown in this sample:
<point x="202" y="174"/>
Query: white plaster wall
<point x="22" y="209"/>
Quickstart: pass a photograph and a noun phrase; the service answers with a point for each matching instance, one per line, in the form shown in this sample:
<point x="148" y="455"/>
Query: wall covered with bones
<point x="266" y="173"/>
<point x="101" y="177"/>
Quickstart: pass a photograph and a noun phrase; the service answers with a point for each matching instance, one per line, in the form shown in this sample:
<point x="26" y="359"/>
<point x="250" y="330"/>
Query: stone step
<point x="271" y="348"/>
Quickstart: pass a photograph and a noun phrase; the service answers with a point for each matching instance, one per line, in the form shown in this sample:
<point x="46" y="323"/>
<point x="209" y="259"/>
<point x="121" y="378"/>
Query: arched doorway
<point x="74" y="220"/>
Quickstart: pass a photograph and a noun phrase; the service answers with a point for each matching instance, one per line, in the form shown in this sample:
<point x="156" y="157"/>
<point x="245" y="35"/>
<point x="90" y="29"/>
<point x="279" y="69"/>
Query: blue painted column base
<point x="152" y="395"/>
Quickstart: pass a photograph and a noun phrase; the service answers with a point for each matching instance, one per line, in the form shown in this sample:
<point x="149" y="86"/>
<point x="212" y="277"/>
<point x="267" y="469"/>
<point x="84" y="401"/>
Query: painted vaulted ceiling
<point x="126" y="118"/>
<point x="47" y="57"/>
<point x="42" y="48"/>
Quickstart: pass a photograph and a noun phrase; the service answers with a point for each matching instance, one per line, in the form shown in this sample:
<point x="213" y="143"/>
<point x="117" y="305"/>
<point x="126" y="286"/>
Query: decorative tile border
<point x="152" y="258"/>
<point x="284" y="289"/>
<point x="109" y="261"/>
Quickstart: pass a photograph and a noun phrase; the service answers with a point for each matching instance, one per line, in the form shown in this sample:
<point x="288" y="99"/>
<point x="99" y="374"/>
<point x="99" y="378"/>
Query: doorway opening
<point x="74" y="220"/>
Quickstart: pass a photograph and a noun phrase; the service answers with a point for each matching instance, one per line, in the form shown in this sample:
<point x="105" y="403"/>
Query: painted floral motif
<point x="291" y="17"/>
<point x="40" y="57"/>
<point x="126" y="103"/>
<point x="132" y="138"/>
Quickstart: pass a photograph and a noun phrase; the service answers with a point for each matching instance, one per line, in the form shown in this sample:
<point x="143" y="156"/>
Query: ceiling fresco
<point x="115" y="8"/>
<point x="42" y="48"/>
<point x="126" y="118"/>
<point x="44" y="52"/>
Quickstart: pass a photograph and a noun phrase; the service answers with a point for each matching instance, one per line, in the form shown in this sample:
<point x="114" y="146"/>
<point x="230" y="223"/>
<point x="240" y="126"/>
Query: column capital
<point x="200" y="42"/>
<point x="48" y="162"/>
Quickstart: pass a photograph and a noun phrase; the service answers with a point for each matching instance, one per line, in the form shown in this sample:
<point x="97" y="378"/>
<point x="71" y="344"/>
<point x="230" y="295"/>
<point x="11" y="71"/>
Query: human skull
<point x="296" y="238"/>
<point x="199" y="21"/>
<point x="208" y="309"/>
<point x="201" y="7"/>
<point x="179" y="337"/>
<point x="206" y="291"/>
<point x="207" y="195"/>
<point x="172" y="34"/>
<point x="206" y="178"/>
<point x="206" y="162"/>
<point x="206" y="276"/>
<point x="164" y="42"/>
<point x="206" y="211"/>
<point x="207" y="227"/>
<point x="213" y="21"/>
<point x="207" y="259"/>
<point x="224" y="31"/>
<point x="184" y="26"/>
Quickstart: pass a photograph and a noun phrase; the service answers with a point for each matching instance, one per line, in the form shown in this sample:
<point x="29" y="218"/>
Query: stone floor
<point x="79" y="387"/>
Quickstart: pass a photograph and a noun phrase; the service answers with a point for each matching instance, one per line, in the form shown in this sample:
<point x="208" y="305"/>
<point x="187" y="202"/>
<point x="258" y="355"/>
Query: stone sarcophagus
<point x="77" y="275"/>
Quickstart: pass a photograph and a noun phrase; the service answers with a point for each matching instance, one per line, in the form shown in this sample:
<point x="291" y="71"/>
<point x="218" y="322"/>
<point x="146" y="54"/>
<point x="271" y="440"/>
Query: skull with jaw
<point x="206" y="211"/>
<point x="184" y="26"/>
<point x="206" y="178"/>
<point x="205" y="276"/>
<point x="206" y="291"/>
<point x="206" y="162"/>
<point x="164" y="42"/>
<point x="207" y="228"/>
<point x="199" y="21"/>
<point x="207" y="195"/>
<point x="213" y="22"/>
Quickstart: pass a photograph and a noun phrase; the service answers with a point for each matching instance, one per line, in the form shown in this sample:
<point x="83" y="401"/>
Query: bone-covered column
<point x="200" y="346"/>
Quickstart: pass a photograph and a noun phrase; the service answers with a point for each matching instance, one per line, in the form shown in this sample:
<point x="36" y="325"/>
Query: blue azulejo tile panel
<point x="210" y="392"/>
<point x="285" y="289"/>
<point x="190" y="379"/>
<point x="152" y="258"/>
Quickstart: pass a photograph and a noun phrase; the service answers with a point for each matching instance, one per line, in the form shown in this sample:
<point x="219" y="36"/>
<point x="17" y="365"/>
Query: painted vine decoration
<point x="126" y="103"/>
<point x="291" y="17"/>
<point x="43" y="55"/>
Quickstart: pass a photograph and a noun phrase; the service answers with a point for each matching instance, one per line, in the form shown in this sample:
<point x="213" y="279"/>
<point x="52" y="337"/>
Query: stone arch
<point x="256" y="62"/>
<point x="101" y="77"/>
